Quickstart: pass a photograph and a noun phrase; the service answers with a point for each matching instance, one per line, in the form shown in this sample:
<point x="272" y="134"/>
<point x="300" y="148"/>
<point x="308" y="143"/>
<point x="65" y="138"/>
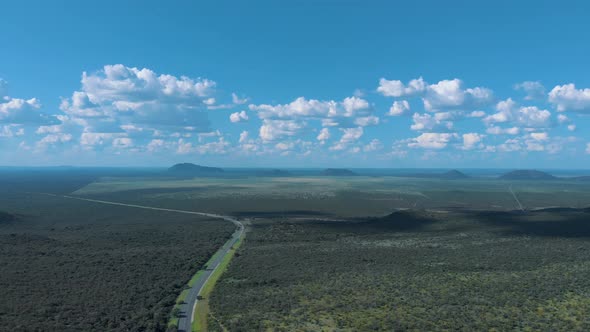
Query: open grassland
<point x="339" y="196"/>
<point x="422" y="271"/>
<point x="70" y="265"/>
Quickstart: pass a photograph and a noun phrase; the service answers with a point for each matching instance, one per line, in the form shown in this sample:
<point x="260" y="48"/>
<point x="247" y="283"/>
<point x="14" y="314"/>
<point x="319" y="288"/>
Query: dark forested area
<point x="69" y="265"/>
<point x="422" y="271"/>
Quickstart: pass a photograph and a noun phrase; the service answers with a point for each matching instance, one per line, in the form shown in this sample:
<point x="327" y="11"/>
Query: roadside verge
<point x="201" y="312"/>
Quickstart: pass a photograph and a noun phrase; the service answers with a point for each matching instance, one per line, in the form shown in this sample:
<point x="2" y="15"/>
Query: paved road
<point x="187" y="308"/>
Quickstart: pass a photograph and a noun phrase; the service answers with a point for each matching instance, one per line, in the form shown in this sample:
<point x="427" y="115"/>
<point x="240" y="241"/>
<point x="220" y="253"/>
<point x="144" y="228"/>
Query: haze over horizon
<point x="307" y="84"/>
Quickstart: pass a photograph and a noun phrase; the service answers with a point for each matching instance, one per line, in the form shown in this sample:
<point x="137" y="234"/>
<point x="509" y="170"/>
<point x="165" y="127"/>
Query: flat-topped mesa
<point x="192" y="169"/>
<point x="337" y="172"/>
<point x="527" y="175"/>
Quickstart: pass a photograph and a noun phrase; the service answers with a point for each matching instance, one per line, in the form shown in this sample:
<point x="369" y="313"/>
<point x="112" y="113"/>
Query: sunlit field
<point x="342" y="196"/>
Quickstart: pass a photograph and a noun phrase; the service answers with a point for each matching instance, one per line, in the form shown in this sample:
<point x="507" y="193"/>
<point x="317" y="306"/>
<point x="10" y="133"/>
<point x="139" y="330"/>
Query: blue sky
<point x="295" y="84"/>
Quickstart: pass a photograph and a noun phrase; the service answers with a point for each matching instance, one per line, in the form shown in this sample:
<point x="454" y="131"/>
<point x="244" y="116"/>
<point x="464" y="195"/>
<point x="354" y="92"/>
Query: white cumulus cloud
<point x="432" y="140"/>
<point x="450" y="94"/>
<point x="534" y="89"/>
<point x="441" y="96"/>
<point x="526" y="116"/>
<point x="272" y="130"/>
<point x="284" y="120"/>
<point x="122" y="107"/>
<point x="11" y="131"/>
<point x="472" y="140"/>
<point x="237" y="100"/>
<point x="567" y="98"/>
<point x="431" y="122"/>
<point x="396" y="88"/>
<point x="399" y="107"/>
<point x="374" y="145"/>
<point x="496" y="130"/>
<point x="21" y="111"/>
<point x="349" y="135"/>
<point x="238" y="117"/>
<point x="324" y="134"/>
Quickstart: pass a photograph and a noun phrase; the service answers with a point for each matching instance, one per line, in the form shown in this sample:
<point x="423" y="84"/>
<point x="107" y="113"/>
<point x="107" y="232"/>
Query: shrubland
<point x="411" y="270"/>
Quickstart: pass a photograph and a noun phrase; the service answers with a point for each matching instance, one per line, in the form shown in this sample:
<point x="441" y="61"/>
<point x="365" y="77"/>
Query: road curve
<point x="187" y="309"/>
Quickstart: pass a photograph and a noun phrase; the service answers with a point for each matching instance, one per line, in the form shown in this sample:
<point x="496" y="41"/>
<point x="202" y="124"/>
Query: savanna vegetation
<point x="411" y="270"/>
<point x="353" y="196"/>
<point x="69" y="265"/>
<point x="311" y="260"/>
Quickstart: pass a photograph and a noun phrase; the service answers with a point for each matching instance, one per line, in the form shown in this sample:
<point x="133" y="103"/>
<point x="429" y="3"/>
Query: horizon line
<point x="297" y="168"/>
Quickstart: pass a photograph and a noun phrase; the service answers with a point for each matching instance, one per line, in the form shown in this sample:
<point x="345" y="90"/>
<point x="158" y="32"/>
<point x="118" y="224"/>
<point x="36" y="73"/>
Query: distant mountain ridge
<point x="337" y="172"/>
<point x="192" y="169"/>
<point x="527" y="174"/>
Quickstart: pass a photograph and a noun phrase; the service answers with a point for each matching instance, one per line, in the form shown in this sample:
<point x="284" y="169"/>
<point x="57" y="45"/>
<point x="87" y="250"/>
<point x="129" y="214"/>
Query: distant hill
<point x="450" y="175"/>
<point x="273" y="172"/>
<point x="527" y="175"/>
<point x="337" y="172"/>
<point x="454" y="174"/>
<point x="188" y="169"/>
